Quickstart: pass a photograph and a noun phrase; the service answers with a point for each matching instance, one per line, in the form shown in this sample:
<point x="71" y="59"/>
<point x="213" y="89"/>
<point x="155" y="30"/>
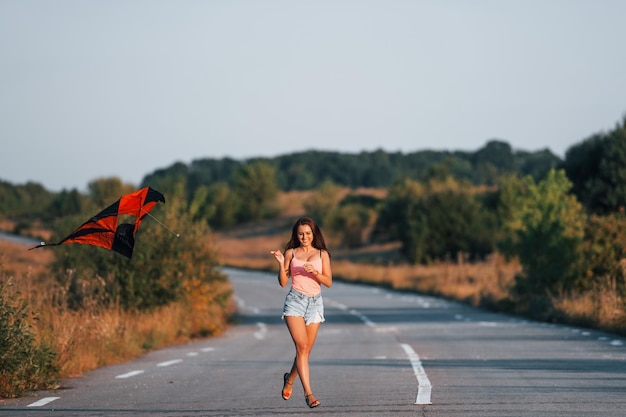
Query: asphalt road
<point x="380" y="353"/>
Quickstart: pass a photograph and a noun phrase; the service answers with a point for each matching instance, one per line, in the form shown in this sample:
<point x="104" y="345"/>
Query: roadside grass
<point x="601" y="308"/>
<point x="97" y="335"/>
<point x="486" y="284"/>
<point x="479" y="284"/>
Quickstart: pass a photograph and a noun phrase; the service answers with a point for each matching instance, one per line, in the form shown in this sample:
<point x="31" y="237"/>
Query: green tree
<point x="393" y="215"/>
<point x="544" y="227"/>
<point x="255" y="185"/>
<point x="105" y="191"/>
<point x="322" y="202"/>
<point x="66" y="203"/>
<point x="27" y="200"/>
<point x="448" y="220"/>
<point x="349" y="224"/>
<point x="436" y="220"/>
<point x="597" y="169"/>
<point x="217" y="204"/>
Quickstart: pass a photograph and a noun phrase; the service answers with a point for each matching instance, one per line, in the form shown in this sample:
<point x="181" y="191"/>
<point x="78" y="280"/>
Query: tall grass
<point x="95" y="335"/>
<point x="487" y="284"/>
<point x="480" y="283"/>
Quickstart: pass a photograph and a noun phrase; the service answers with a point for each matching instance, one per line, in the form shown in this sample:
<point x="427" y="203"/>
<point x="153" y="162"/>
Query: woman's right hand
<point x="278" y="255"/>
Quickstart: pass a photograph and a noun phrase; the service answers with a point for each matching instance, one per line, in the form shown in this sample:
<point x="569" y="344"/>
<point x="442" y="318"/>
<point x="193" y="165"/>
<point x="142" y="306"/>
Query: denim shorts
<point x="301" y="305"/>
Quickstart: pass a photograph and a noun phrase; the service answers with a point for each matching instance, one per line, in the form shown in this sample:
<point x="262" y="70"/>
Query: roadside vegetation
<point x="520" y="232"/>
<point x="71" y="309"/>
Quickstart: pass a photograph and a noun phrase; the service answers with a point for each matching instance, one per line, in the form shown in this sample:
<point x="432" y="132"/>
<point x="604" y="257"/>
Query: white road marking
<point x="363" y="318"/>
<point x="386" y="329"/>
<point x="423" y="383"/>
<point x="617" y="343"/>
<point x="208" y="349"/>
<point x="242" y="305"/>
<point x="260" y="334"/>
<point x="168" y="363"/>
<point x="129" y="374"/>
<point x="43" y="402"/>
<point x="192" y="354"/>
<point x="337" y="304"/>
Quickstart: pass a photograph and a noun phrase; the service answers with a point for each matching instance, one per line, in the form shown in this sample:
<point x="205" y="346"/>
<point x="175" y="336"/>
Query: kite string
<point x="158" y="221"/>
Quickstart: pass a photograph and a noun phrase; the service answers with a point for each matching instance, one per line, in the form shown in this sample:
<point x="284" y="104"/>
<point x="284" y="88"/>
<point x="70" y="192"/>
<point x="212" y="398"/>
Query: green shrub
<point x="160" y="264"/>
<point x="25" y="364"/>
<point x="605" y="253"/>
<point x="543" y="225"/>
<point x="437" y="220"/>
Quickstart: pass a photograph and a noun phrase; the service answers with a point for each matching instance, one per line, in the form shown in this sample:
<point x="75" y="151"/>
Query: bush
<point x="25" y="364"/>
<point x="605" y="251"/>
<point x="323" y="202"/>
<point x="437" y="221"/>
<point x="543" y="225"/>
<point x="158" y="273"/>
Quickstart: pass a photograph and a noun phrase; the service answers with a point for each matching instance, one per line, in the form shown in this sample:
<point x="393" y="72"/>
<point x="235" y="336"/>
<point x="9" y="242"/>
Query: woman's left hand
<point x="309" y="268"/>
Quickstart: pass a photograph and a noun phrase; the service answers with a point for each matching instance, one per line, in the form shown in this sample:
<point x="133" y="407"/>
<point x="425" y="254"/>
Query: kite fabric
<point x="102" y="229"/>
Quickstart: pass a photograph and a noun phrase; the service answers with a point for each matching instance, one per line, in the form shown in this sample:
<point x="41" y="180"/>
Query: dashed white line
<point x="260" y="334"/>
<point x="208" y="349"/>
<point x="336" y="304"/>
<point x="423" y="383"/>
<point x="363" y="318"/>
<point x="242" y="305"/>
<point x="43" y="402"/>
<point x="129" y="374"/>
<point x="168" y="363"/>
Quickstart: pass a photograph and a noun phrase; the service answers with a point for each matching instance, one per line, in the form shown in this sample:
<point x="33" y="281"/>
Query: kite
<point x="103" y="230"/>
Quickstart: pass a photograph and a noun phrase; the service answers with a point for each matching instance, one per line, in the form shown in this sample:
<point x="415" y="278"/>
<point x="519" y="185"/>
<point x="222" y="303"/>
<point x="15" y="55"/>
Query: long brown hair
<point x="318" y="238"/>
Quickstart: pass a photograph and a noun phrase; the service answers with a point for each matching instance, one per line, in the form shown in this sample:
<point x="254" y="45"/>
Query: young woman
<point x="307" y="261"/>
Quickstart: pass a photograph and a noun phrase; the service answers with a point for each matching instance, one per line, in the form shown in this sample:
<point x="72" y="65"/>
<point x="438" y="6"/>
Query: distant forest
<point x="378" y="169"/>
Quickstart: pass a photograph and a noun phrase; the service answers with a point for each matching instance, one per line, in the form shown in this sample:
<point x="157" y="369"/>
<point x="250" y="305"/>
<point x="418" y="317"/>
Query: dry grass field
<point x="484" y="284"/>
<point x="96" y="335"/>
<point x="481" y="283"/>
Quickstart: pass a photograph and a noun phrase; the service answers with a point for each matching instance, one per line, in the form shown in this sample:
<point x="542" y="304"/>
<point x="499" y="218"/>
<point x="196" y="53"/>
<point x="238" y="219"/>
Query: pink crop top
<point x="303" y="281"/>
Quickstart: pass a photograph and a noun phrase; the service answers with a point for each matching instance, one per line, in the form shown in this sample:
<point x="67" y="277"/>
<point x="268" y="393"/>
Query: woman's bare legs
<point x="304" y="338"/>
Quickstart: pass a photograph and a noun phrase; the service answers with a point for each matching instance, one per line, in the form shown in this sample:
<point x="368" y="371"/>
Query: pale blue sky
<point x="92" y="89"/>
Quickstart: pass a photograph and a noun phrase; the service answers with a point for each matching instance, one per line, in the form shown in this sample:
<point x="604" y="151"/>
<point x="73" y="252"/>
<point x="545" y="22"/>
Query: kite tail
<point x="42" y="244"/>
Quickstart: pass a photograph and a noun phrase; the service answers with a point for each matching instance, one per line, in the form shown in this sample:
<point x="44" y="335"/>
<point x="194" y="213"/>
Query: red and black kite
<point x="102" y="229"/>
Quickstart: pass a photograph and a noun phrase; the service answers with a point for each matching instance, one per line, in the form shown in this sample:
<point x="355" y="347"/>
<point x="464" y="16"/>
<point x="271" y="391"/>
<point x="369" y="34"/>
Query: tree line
<point x="378" y="169"/>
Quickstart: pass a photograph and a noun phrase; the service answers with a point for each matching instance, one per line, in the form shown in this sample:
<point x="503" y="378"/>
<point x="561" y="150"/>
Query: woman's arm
<point x="283" y="266"/>
<point x="325" y="277"/>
